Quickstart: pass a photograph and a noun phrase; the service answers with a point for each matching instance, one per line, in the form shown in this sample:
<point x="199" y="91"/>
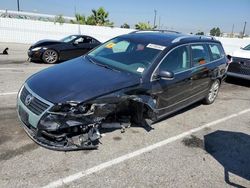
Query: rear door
<point x="201" y="71"/>
<point x="172" y="94"/>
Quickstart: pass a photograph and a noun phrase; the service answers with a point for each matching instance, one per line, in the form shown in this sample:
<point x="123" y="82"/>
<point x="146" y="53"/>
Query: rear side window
<point x="176" y="61"/>
<point x="199" y="54"/>
<point x="216" y="51"/>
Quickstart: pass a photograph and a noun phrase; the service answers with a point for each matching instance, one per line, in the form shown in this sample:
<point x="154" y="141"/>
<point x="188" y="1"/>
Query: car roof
<point x="167" y="38"/>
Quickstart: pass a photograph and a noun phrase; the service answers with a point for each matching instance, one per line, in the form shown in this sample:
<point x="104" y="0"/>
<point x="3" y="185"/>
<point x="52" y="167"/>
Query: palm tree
<point x="100" y="17"/>
<point x="60" y="19"/>
<point x="80" y="19"/>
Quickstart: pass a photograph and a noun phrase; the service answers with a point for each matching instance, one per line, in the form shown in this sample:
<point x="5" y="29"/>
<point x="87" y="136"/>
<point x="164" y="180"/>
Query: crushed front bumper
<point x="30" y="115"/>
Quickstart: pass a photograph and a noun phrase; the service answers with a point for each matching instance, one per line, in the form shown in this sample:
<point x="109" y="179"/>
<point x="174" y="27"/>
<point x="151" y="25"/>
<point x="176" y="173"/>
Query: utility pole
<point x="232" y="33"/>
<point x="159" y="25"/>
<point x="244" y="30"/>
<point x="79" y="27"/>
<point x="18" y="6"/>
<point x="155" y="19"/>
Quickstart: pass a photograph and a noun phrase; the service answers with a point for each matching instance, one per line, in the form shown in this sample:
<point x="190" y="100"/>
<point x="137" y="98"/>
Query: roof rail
<point x="155" y="30"/>
<point x="207" y="37"/>
<point x="178" y="39"/>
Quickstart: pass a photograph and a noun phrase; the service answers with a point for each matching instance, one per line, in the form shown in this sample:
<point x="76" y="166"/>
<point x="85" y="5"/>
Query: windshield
<point x="69" y="38"/>
<point x="247" y="47"/>
<point x="127" y="55"/>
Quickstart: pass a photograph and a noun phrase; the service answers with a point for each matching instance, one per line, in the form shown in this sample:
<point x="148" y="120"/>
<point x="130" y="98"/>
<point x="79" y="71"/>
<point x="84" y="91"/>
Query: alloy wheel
<point x="50" y="56"/>
<point x="213" y="92"/>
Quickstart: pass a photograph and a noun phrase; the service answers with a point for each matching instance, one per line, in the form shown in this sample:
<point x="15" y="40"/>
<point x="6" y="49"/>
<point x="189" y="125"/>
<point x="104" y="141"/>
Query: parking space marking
<point x="66" y="180"/>
<point x="20" y="68"/>
<point x="10" y="93"/>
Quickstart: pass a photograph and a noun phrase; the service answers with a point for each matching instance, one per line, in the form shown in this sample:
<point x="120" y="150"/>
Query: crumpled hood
<point x="78" y="80"/>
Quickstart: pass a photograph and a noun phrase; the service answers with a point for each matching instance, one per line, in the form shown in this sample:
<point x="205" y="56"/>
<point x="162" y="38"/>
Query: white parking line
<point x="10" y="93"/>
<point x="20" y="68"/>
<point x="76" y="176"/>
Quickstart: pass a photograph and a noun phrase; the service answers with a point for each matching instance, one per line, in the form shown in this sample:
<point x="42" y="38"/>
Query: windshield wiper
<point x="101" y="65"/>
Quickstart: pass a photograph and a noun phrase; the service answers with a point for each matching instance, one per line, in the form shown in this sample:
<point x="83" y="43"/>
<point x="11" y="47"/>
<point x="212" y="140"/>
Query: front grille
<point x="239" y="69"/>
<point x="36" y="106"/>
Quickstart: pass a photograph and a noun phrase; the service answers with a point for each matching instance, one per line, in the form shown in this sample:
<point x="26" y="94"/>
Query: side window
<point x="177" y="60"/>
<point x="79" y="40"/>
<point x="94" y="41"/>
<point x="85" y="40"/>
<point x="199" y="54"/>
<point x="216" y="51"/>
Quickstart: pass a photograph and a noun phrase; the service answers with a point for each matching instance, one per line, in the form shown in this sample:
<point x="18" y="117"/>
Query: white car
<point x="240" y="63"/>
<point x="243" y="52"/>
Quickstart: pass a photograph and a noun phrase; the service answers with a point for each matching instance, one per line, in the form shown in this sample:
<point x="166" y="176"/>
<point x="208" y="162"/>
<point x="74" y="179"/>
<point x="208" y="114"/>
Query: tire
<point x="50" y="56"/>
<point x="213" y="92"/>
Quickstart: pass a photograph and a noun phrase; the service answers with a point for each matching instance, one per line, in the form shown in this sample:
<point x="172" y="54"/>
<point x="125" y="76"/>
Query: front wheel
<point x="213" y="92"/>
<point x="50" y="56"/>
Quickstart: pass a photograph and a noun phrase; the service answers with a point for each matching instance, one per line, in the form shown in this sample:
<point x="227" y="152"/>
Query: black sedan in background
<point x="52" y="51"/>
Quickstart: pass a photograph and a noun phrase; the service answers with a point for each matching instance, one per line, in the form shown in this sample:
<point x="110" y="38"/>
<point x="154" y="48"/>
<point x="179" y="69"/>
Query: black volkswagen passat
<point x="136" y="79"/>
<point x="52" y="51"/>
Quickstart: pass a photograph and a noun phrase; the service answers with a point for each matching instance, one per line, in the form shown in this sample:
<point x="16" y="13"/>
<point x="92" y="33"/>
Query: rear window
<point x="216" y="51"/>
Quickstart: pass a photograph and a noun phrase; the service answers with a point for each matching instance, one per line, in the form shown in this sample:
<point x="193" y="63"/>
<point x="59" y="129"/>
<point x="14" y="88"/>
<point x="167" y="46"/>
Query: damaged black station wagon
<point x="137" y="79"/>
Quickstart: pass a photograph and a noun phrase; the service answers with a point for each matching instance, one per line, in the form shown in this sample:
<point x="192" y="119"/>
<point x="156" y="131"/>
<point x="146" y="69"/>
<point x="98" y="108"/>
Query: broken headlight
<point x="70" y="108"/>
<point x="63" y="116"/>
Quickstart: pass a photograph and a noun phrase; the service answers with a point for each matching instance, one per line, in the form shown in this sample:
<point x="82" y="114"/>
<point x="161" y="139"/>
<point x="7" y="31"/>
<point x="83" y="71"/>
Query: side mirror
<point x="165" y="75"/>
<point x="229" y="57"/>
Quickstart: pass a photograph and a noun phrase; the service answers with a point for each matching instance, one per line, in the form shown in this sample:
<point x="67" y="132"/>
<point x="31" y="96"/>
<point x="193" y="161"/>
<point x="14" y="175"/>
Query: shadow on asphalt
<point x="238" y="81"/>
<point x="232" y="151"/>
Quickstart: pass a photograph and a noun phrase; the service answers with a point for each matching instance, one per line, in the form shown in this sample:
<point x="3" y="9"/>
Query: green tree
<point x="215" y="32"/>
<point x="99" y="17"/>
<point x="59" y="18"/>
<point x="143" y="26"/>
<point x="90" y="20"/>
<point x="200" y="33"/>
<point x="80" y="19"/>
<point x="125" y="25"/>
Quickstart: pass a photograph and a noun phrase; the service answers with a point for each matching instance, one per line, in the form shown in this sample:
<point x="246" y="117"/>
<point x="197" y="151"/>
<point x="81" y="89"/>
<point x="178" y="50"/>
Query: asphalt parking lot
<point x="201" y="146"/>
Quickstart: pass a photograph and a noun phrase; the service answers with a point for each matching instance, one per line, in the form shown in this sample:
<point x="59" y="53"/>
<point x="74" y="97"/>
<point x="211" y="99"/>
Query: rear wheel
<point x="213" y="92"/>
<point x="50" y="56"/>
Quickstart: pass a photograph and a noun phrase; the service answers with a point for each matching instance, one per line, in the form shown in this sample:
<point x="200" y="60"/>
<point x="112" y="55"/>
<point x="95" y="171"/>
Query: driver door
<point x="173" y="94"/>
<point x="78" y="47"/>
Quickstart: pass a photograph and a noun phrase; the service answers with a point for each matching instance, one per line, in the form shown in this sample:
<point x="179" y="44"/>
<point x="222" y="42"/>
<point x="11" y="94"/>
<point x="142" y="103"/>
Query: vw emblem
<point x="28" y="100"/>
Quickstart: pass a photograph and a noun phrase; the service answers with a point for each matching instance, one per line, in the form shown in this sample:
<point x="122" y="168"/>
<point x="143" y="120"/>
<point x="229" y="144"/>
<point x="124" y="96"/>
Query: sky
<point x="181" y="15"/>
